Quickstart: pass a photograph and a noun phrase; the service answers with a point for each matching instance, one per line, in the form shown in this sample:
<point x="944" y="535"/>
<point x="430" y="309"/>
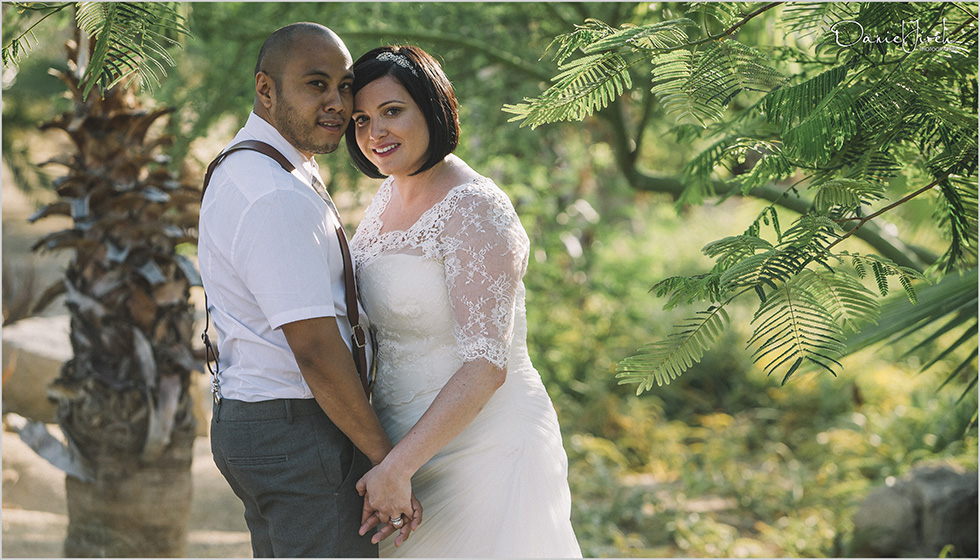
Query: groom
<point x="292" y="429"/>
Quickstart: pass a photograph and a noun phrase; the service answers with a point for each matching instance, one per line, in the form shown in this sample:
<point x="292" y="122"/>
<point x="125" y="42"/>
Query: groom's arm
<point x="327" y="366"/>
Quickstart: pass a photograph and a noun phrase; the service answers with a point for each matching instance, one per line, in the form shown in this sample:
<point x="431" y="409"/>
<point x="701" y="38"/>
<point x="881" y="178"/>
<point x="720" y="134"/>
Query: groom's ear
<point x="265" y="89"/>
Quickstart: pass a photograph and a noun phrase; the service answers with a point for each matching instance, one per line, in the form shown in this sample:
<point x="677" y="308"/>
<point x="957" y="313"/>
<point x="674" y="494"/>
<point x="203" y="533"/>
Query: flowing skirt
<point x="500" y="488"/>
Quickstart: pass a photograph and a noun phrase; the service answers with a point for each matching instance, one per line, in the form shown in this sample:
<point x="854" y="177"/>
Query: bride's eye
<point x="392" y="111"/>
<point x="360" y="120"/>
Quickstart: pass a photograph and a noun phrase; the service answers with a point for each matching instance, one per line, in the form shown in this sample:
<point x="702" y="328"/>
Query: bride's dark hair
<point x="429" y="87"/>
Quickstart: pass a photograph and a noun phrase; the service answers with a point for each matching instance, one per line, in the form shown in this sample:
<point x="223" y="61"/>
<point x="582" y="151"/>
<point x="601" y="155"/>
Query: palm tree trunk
<point x="141" y="514"/>
<point x="123" y="399"/>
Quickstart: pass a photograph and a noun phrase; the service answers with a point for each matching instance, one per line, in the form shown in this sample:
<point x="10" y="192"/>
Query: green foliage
<point x="954" y="302"/>
<point x="19" y="25"/>
<point x="130" y="38"/>
<point x="698" y="85"/>
<point x="839" y="114"/>
<point x="665" y="360"/>
<point x="850" y="304"/>
<point x="795" y="327"/>
<point x="779" y="473"/>
<point x="593" y="82"/>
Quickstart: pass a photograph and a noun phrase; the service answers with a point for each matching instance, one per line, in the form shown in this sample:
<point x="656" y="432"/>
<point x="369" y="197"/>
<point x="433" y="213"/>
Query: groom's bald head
<point x="277" y="47"/>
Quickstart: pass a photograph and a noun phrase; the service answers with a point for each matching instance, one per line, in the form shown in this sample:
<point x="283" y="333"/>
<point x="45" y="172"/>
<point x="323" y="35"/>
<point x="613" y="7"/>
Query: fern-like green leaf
<point x="808" y="18"/>
<point x="768" y="216"/>
<point x="884" y="16"/>
<point x="725" y="14"/>
<point x="847" y="300"/>
<point x="812" y="231"/>
<point x="732" y="249"/>
<point x="129" y="40"/>
<point x="662" y="361"/>
<point x="697" y="174"/>
<point x="584" y="86"/>
<point x="954" y="299"/>
<point x="872" y="165"/>
<point x="957" y="214"/>
<point x="672" y="72"/>
<point x="772" y="166"/>
<point x="19" y="25"/>
<point x="815" y="116"/>
<point x="769" y="269"/>
<point x="730" y="152"/>
<point x="840" y="197"/>
<point x="662" y="35"/>
<point x="794" y="328"/>
<point x="584" y="35"/>
<point x="882" y="268"/>
<point x="884" y="104"/>
<point x="700" y="85"/>
<point x="688" y="289"/>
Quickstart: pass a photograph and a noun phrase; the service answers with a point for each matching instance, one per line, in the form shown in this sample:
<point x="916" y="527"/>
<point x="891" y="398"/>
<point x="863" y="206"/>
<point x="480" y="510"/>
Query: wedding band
<point x="397" y="522"/>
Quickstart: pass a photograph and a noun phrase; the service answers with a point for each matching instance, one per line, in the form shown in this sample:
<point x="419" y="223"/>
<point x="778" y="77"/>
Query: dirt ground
<point x="34" y="515"/>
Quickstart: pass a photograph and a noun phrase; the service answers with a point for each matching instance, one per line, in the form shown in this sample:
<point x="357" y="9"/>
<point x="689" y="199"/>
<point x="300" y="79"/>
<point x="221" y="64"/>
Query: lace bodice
<point x="449" y="286"/>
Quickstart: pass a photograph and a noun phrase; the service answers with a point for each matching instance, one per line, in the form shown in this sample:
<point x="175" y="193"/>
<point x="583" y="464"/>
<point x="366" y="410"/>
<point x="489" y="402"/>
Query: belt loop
<point x="289" y="411"/>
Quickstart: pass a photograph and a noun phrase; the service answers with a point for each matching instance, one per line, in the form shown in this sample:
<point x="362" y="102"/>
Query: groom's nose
<point x="334" y="101"/>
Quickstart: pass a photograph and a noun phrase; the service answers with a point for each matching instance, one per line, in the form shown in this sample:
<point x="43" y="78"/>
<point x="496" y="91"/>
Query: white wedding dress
<point x="446" y="291"/>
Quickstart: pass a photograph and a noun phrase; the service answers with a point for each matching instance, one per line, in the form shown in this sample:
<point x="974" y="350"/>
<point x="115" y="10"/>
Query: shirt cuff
<point x="291" y="316"/>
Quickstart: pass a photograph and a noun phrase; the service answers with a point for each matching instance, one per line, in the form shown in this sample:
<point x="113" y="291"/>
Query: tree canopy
<point x="863" y="116"/>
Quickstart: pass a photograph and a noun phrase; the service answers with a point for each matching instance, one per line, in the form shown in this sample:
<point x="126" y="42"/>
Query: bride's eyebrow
<point x="381" y="105"/>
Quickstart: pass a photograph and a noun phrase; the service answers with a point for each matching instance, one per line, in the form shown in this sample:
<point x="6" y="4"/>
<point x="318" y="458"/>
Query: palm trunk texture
<point x="123" y="400"/>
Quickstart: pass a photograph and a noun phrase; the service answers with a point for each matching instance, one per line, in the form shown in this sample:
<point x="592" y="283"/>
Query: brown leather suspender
<point x="358" y="337"/>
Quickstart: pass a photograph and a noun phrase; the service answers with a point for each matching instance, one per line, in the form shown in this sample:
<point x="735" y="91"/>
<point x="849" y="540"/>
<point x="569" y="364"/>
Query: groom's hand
<point x="371" y="519"/>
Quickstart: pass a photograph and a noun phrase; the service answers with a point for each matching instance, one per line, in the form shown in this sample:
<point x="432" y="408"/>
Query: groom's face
<point x="313" y="98"/>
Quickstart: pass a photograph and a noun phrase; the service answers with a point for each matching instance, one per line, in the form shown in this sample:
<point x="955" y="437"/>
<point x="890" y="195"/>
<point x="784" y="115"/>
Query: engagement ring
<point x="397" y="522"/>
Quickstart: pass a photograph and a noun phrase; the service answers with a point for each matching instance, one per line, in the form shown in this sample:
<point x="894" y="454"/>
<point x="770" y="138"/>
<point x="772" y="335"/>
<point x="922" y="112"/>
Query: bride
<point x="440" y="257"/>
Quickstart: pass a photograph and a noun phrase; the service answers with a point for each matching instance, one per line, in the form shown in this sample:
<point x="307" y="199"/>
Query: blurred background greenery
<point x="724" y="461"/>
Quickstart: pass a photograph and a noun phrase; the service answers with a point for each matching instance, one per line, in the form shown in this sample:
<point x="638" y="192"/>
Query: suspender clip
<point x="360" y="340"/>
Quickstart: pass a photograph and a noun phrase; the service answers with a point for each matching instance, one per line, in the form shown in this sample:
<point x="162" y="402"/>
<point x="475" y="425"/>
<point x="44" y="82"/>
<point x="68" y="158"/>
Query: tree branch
<point x="552" y="8"/>
<point x="647" y="112"/>
<point x="869" y="232"/>
<point x="715" y="37"/>
<point x="30" y="6"/>
<point x="862" y="222"/>
<point x="538" y="72"/>
<point x="623" y="146"/>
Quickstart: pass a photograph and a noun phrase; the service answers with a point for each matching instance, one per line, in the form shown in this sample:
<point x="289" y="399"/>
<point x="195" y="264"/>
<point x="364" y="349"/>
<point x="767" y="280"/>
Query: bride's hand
<point x="388" y="494"/>
<point x="371" y="519"/>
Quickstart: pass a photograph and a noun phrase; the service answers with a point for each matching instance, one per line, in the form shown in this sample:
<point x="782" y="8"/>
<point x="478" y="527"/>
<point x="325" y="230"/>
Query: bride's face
<point x="390" y="128"/>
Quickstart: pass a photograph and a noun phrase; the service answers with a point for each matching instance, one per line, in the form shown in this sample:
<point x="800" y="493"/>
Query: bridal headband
<point x="398" y="59"/>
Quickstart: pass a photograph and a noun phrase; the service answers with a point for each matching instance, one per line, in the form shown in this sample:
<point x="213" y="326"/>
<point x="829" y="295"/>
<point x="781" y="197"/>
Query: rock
<point x="933" y="507"/>
<point x="34" y="350"/>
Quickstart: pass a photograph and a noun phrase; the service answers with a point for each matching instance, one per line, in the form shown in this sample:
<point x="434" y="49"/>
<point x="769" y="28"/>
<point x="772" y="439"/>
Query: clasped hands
<point x="388" y="496"/>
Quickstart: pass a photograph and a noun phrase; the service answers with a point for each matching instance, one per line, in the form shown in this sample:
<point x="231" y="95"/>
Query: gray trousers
<point x="295" y="472"/>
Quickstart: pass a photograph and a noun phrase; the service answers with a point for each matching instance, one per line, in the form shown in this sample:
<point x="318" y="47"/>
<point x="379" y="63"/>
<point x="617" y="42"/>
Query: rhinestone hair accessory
<point x="398" y="59"/>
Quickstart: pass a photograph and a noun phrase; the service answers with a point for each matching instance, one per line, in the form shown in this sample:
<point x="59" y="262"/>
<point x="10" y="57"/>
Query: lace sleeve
<point x="485" y="250"/>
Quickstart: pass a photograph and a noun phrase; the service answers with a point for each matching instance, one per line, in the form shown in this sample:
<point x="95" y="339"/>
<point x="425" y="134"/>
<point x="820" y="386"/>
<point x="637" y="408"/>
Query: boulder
<point x="931" y="508"/>
<point x="34" y="349"/>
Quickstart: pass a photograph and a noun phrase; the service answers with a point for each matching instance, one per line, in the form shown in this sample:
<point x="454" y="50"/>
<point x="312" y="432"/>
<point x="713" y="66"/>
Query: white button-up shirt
<point x="269" y="255"/>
